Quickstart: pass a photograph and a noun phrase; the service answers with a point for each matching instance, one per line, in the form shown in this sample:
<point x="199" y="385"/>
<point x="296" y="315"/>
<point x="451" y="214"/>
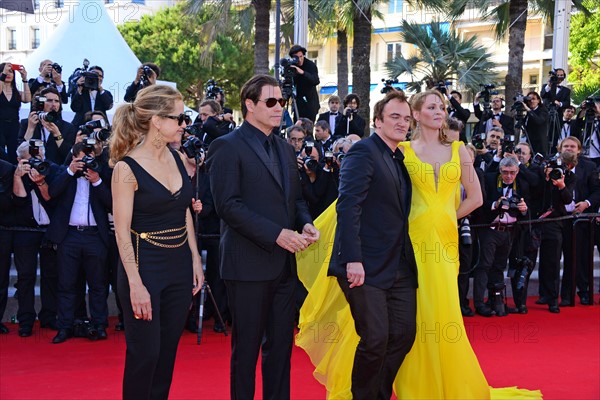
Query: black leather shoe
<point x="584" y="299"/>
<point x="62" y="336"/>
<point x="25" y="331"/>
<point x="512" y="310"/>
<point x="522" y="309"/>
<point x="484" y="311"/>
<point x="3" y="329"/>
<point x="542" y="300"/>
<point x="564" y="303"/>
<point x="554" y="309"/>
<point x="219" y="328"/>
<point x="192" y="326"/>
<point x="120" y="326"/>
<point x="101" y="333"/>
<point x="52" y="324"/>
<point x="466" y="311"/>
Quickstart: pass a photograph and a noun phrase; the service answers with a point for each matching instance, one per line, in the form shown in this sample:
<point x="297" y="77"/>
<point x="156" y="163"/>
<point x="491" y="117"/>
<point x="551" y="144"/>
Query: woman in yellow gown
<point x="441" y="363"/>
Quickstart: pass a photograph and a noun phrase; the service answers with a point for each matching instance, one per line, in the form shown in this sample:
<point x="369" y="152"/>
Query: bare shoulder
<point x="123" y="175"/>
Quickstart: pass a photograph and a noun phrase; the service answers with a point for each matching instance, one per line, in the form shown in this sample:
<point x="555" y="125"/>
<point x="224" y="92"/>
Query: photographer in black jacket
<point x="350" y="122"/>
<point x="306" y="81"/>
<point x="456" y="110"/>
<point x="212" y="122"/>
<point x="90" y="95"/>
<point x="146" y="75"/>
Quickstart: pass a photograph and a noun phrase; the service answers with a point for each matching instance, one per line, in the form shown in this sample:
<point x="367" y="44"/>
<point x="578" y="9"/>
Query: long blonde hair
<point x="131" y="121"/>
<point x="416" y="102"/>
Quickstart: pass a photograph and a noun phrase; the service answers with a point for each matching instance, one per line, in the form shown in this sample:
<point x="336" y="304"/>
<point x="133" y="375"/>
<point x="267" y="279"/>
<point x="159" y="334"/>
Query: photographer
<point x="50" y="76"/>
<point x="306" y="80"/>
<point x="350" y="122"/>
<point x="497" y="118"/>
<point x="504" y="205"/>
<point x="554" y="94"/>
<point x="318" y="179"/>
<point x="32" y="207"/>
<point x="214" y="123"/>
<point x="295" y="137"/>
<point x="45" y="122"/>
<point x="456" y="110"/>
<point x="146" y="75"/>
<point x="90" y="95"/>
<point x="569" y="125"/>
<point x="488" y="149"/>
<point x="324" y="139"/>
<point x="588" y="119"/>
<point x="536" y="122"/>
<point x="79" y="228"/>
<point x="558" y="192"/>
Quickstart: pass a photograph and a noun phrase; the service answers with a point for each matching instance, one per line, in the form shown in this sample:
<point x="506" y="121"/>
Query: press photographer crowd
<point x="537" y="161"/>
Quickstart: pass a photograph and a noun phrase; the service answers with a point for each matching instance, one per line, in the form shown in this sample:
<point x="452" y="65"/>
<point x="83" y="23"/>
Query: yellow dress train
<point x="441" y="363"/>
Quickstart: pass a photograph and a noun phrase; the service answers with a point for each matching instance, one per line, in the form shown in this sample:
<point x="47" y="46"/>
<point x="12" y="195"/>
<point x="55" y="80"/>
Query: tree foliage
<point x="441" y="55"/>
<point x="584" y="47"/>
<point x="169" y="38"/>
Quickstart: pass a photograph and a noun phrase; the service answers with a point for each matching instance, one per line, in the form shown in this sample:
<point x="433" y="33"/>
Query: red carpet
<point x="559" y="354"/>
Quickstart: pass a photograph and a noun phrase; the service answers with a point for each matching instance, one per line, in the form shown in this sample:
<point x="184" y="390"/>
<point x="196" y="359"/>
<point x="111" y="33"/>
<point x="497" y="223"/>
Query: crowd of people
<point x="88" y="201"/>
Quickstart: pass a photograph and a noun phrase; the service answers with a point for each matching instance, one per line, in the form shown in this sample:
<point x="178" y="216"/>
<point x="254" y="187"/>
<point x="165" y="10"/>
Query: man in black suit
<point x="569" y="125"/>
<point x="350" y="123"/>
<point x="456" y="110"/>
<point x="555" y="95"/>
<point x="497" y="119"/>
<point x="146" y="75"/>
<point x="79" y="228"/>
<point x="372" y="255"/>
<point x="256" y="190"/>
<point x="323" y="138"/>
<point x="332" y="116"/>
<point x="58" y="136"/>
<point x="306" y="81"/>
<point x="89" y="98"/>
<point x="536" y="123"/>
<point x="586" y="199"/>
<point x="50" y="76"/>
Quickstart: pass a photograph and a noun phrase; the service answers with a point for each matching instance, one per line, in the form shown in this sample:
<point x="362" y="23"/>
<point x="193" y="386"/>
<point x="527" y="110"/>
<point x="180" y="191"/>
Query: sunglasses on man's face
<point x="181" y="118"/>
<point x="271" y="101"/>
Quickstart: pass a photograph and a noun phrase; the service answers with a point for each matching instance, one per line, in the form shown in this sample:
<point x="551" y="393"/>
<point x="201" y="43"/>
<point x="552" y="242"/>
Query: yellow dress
<point x="441" y="363"/>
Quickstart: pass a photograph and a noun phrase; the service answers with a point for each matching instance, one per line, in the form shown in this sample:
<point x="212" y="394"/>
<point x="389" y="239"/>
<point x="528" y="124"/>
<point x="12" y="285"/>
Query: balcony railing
<point x="35" y="44"/>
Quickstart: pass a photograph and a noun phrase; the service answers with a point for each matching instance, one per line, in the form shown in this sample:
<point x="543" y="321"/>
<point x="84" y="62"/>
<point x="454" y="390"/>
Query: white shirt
<point x="39" y="213"/>
<point x="81" y="212"/>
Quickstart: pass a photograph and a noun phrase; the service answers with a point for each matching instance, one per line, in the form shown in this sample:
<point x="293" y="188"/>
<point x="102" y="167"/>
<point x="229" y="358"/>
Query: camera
<point x="523" y="268"/>
<point x="340" y="155"/>
<point x="388" y="85"/>
<point x="558" y="171"/>
<point x="91" y="80"/>
<point x="478" y="141"/>
<point x="328" y="158"/>
<point x="496" y="297"/>
<point x="89" y="129"/>
<point x="50" y="117"/>
<point x="464" y="230"/>
<point x="212" y="90"/>
<point x="486" y="94"/>
<point x="89" y="160"/>
<point x="553" y="77"/>
<point x="193" y="148"/>
<point x="287" y="76"/>
<point x="590" y="103"/>
<point x="194" y="130"/>
<point x="288" y="62"/>
<point x="84" y="329"/>
<point x="308" y="146"/>
<point x="508" y="144"/>
<point x="146" y="74"/>
<point x="40" y="166"/>
<point x="441" y="86"/>
<point x="350" y="112"/>
<point x="510" y="206"/>
<point x="57" y="68"/>
<point x="38" y="103"/>
<point x="310" y="163"/>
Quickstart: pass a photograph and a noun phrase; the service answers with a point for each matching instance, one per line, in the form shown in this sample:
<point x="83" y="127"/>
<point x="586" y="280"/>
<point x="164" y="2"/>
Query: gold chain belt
<point x="152" y="237"/>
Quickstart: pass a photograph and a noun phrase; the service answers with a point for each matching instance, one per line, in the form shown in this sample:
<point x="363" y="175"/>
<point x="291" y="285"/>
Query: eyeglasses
<point x="508" y="172"/>
<point x="181" y="118"/>
<point x="298" y="140"/>
<point x="271" y="101"/>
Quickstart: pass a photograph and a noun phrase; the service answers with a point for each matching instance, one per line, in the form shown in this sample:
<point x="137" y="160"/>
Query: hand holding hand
<point x="310" y="233"/>
<point x="291" y="241"/>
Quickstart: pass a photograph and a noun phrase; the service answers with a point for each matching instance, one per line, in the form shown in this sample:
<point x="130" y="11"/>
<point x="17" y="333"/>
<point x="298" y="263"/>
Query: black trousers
<point x="550" y="249"/>
<point x="494" y="250"/>
<point x="112" y="266"/>
<point x="82" y="251"/>
<point x="27" y="246"/>
<point x="465" y="254"/>
<point x="582" y="249"/>
<point x="9" y="132"/>
<point x="263" y="319"/>
<point x="6" y="246"/>
<point x="385" y="320"/>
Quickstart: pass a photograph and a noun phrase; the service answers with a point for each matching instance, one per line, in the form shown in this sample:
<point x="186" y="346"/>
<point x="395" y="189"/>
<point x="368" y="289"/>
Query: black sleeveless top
<point x="9" y="110"/>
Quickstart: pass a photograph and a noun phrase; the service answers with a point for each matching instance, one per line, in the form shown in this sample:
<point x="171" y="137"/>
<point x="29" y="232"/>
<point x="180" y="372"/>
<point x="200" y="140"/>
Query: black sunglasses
<point x="271" y="101"/>
<point x="181" y="118"/>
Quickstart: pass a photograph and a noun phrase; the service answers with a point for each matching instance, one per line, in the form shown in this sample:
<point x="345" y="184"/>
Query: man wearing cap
<point x="306" y="81"/>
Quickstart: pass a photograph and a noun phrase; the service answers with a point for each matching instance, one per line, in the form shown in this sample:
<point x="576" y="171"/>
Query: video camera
<point x="39" y="165"/>
<point x="388" y="85"/>
<point x="553" y="77"/>
<point x="91" y="79"/>
<point x="193" y="147"/>
<point x="89" y="129"/>
<point x="486" y="94"/>
<point x="212" y="90"/>
<point x="287" y="76"/>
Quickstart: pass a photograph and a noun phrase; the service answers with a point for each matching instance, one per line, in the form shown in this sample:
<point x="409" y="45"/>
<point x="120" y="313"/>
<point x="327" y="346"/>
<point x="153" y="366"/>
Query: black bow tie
<point x="496" y="115"/>
<point x="506" y="185"/>
<point x="567" y="122"/>
<point x="333" y="114"/>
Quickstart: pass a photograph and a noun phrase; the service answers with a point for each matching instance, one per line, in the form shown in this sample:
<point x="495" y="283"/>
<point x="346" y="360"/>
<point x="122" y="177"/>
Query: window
<point x="12" y="39"/>
<point x="138" y="2"/>
<point x="533" y="79"/>
<point x="109" y="1"/>
<point x="35" y="38"/>
<point x="60" y="3"/>
<point x="36" y="4"/>
<point x="393" y="50"/>
<point x="395" y="6"/>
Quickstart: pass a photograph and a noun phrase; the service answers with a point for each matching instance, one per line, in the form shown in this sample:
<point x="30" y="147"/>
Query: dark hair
<point x="455" y="124"/>
<point x="253" y="88"/>
<point x="295" y="128"/>
<point x="16" y="92"/>
<point x="570" y="107"/>
<point x="457" y="92"/>
<point x="97" y="68"/>
<point x="53" y="90"/>
<point x="296" y="48"/>
<point x="213" y="104"/>
<point x="87" y="117"/>
<point x="323" y="125"/>
<point x="536" y="95"/>
<point x="380" y="105"/>
<point x="77" y="148"/>
<point x="153" y="67"/>
<point x="351" y="97"/>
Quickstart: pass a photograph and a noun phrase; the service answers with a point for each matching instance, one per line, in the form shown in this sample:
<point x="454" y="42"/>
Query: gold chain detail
<point x="151" y="237"/>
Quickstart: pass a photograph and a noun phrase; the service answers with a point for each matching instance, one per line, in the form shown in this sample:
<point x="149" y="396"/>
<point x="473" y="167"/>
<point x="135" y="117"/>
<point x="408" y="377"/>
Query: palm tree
<point x="441" y="55"/>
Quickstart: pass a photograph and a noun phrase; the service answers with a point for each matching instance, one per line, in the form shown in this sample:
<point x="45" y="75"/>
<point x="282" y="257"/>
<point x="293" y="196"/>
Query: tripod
<point x="553" y="127"/>
<point x="205" y="286"/>
<point x="587" y="133"/>
<point x="288" y="92"/>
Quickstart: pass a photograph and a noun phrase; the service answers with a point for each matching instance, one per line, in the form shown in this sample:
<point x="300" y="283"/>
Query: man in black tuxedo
<point x="332" y="116"/>
<point x="146" y="75"/>
<point x="256" y="190"/>
<point x="306" y="81"/>
<point x="372" y="255"/>
<point x="58" y="136"/>
<point x="86" y="99"/>
<point x="79" y="228"/>
<point x="456" y="110"/>
<point x="492" y="150"/>
<point x="350" y="122"/>
<point x="569" y="125"/>
<point x="586" y="199"/>
<point x="50" y="76"/>
<point x="498" y="118"/>
<point x="323" y="138"/>
<point x="536" y="123"/>
<point x="555" y="95"/>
